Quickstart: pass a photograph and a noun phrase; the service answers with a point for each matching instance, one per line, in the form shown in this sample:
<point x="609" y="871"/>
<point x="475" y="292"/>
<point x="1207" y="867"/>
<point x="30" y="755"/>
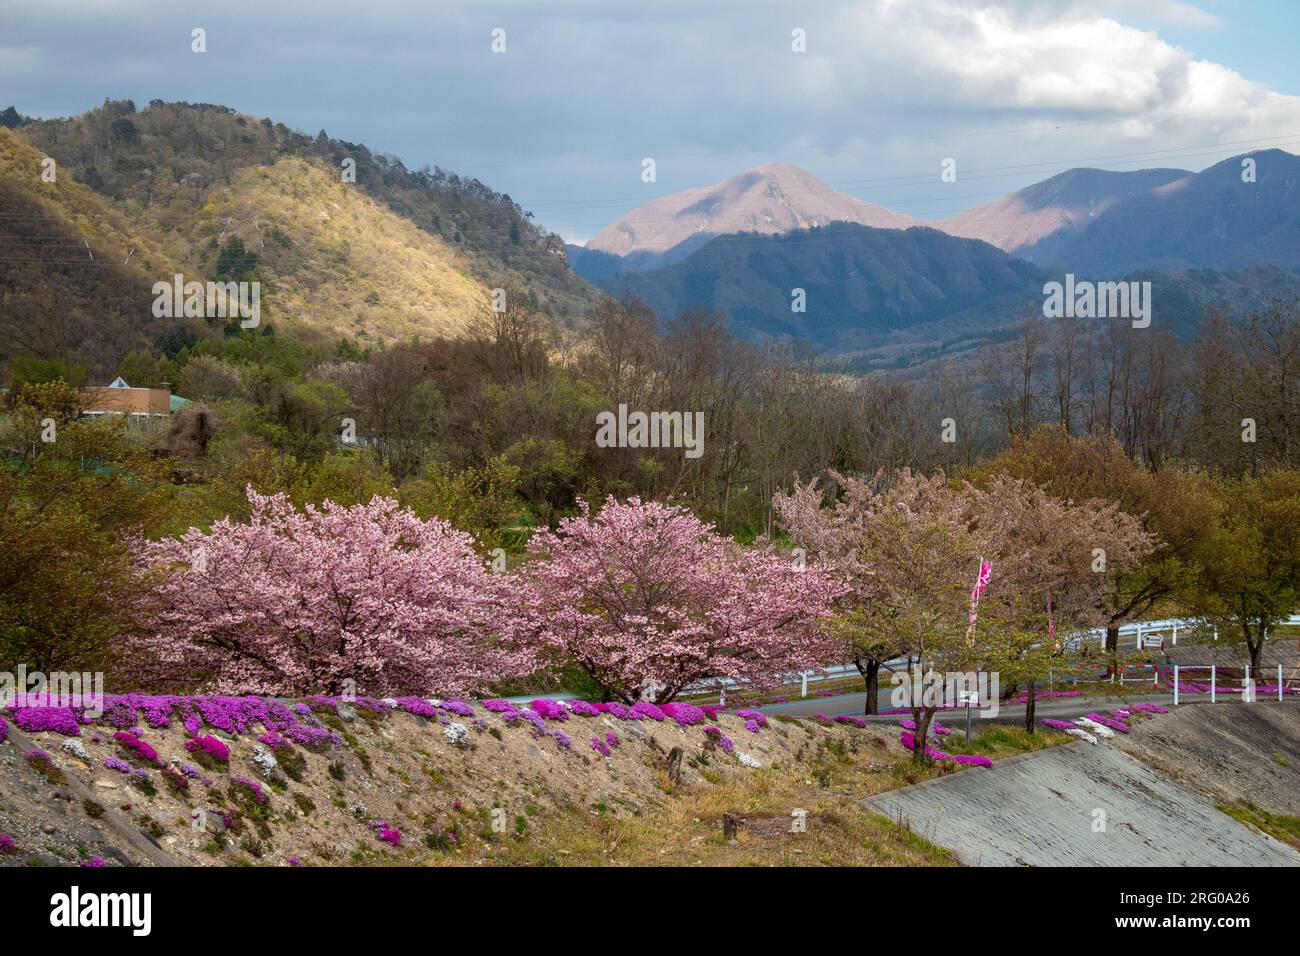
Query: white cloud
<point x="1005" y="57"/>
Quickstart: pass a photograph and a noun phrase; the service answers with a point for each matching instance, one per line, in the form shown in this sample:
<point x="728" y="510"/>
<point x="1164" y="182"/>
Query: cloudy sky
<point x="886" y="90"/>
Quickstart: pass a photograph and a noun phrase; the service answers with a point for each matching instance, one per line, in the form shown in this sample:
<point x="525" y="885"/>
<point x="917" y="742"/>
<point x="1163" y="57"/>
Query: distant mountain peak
<point x="1055" y="207"/>
<point x="1219" y="218"/>
<point x="770" y="198"/>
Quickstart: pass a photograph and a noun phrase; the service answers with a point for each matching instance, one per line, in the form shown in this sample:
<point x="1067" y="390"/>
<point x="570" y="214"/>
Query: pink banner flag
<point x="986" y="572"/>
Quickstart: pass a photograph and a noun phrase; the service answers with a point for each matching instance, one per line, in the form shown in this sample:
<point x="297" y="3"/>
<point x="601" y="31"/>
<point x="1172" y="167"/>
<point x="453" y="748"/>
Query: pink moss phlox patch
<point x="646" y="709"/>
<point x="252" y="786"/>
<point x="720" y="739"/>
<point x="549" y="709"/>
<point x="209" y="746"/>
<point x="686" y="715"/>
<point x="136" y="747"/>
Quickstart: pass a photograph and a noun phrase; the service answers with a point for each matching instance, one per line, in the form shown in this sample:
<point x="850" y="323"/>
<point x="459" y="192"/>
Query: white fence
<point x="1247" y="689"/>
<point x="1141" y="631"/>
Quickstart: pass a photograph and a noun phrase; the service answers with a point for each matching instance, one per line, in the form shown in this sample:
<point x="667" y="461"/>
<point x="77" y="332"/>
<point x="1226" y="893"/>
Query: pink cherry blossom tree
<point x="326" y="599"/>
<point x="647" y="592"/>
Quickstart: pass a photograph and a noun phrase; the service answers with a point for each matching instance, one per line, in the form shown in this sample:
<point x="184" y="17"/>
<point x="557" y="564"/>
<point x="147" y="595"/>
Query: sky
<point x="585" y="90"/>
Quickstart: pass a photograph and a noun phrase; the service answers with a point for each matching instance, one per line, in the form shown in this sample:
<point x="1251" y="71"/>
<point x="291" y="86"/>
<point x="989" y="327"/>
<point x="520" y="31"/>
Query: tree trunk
<point x="1112" y="649"/>
<point x="675" y="765"/>
<point x="1029" y="709"/>
<point x="922" y="718"/>
<point x="730" y="824"/>
<point x="870" y="671"/>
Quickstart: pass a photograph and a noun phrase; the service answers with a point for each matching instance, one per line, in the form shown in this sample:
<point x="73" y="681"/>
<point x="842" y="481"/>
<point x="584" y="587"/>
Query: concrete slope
<point x="1038" y="810"/>
<point x="1230" y="751"/>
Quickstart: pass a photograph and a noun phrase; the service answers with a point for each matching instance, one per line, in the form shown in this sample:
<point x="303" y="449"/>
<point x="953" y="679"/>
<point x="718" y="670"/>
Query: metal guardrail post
<point x="1214" y="693"/>
<point x="1279" y="681"/>
<point x="1175" y="685"/>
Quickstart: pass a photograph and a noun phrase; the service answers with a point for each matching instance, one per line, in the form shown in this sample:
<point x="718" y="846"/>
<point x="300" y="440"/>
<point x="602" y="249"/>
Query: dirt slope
<point x="423" y="777"/>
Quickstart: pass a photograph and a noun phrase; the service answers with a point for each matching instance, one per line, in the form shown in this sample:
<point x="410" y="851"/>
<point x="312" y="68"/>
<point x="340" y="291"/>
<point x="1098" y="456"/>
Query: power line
<point x="1057" y="166"/>
<point x="808" y="236"/>
<point x="69" y="262"/>
<point x="1169" y="206"/>
<point x="979" y="174"/>
<point x="972" y="176"/>
<point x="891" y="140"/>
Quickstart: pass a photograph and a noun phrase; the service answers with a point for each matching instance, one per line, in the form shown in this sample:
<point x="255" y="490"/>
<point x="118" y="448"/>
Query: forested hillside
<point x="250" y="198"/>
<point x="75" y="273"/>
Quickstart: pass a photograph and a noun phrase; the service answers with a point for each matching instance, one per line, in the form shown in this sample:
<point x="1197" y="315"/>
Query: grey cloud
<point x="587" y="89"/>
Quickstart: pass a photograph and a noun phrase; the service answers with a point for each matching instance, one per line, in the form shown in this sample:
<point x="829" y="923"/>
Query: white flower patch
<point x="1081" y="733"/>
<point x="749" y="761"/>
<point x="265" y="760"/>
<point x="76" y="748"/>
<point x="456" y="734"/>
<point x="1101" y="730"/>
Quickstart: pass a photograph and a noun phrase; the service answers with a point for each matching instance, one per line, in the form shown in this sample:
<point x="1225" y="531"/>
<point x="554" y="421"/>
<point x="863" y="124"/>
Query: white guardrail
<point x="1139" y="630"/>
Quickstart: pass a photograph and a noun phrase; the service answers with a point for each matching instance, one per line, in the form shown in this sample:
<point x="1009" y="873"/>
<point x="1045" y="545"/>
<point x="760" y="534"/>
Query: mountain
<point x="1206" y="220"/>
<point x="863" y="286"/>
<point x="897" y="298"/>
<point x="768" y="199"/>
<point x="1033" y="222"/>
<point x="1093" y="222"/>
<point x="394" y="255"/>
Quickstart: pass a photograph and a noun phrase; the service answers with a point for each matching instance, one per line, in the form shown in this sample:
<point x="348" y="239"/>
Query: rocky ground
<point x="458" y="789"/>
